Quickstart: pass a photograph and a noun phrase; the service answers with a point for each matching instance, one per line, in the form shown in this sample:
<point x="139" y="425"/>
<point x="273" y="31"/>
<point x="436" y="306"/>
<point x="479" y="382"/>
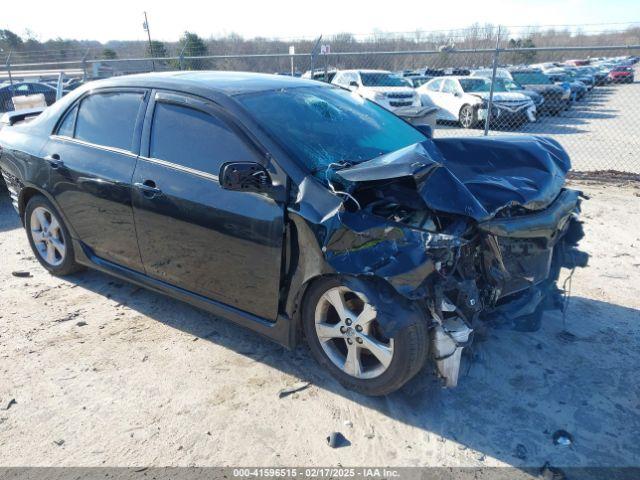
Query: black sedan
<point x="555" y="97"/>
<point x="298" y="209"/>
<point x="7" y="92"/>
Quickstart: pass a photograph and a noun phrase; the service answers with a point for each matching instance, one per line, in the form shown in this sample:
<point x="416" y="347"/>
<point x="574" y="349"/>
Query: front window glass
<point x="383" y="80"/>
<point x="194" y="139"/>
<point x="320" y="126"/>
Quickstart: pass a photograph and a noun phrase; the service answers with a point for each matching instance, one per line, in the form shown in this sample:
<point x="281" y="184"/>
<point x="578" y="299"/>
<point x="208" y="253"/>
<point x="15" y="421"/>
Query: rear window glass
<point x="109" y="118"/>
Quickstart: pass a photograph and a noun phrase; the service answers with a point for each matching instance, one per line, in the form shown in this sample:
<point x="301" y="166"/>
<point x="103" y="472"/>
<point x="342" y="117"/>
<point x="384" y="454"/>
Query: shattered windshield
<point x="323" y="125"/>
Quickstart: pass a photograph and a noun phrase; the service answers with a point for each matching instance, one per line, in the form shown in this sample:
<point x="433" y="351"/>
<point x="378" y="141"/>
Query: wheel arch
<point x="29" y="191"/>
<point x="395" y="310"/>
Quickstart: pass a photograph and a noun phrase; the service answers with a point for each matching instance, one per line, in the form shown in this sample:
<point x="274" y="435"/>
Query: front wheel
<point x="468" y="116"/>
<point x="49" y="237"/>
<point x="344" y="336"/>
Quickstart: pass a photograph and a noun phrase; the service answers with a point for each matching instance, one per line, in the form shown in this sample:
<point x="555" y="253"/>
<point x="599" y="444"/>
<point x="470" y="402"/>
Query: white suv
<point x="383" y="87"/>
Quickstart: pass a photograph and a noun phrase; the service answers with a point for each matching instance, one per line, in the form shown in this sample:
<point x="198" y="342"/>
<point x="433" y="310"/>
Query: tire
<point x="47" y="233"/>
<point x="468" y="116"/>
<point x="409" y="347"/>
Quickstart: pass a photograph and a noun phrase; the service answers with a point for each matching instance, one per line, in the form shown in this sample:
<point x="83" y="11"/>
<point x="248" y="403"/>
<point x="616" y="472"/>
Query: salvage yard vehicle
<point x="621" y="75"/>
<point x="385" y="88"/>
<point x="556" y="98"/>
<point x="299" y="210"/>
<point x="466" y="99"/>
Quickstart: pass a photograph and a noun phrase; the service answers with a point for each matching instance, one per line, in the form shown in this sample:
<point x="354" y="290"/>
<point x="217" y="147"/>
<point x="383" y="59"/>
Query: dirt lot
<point x="104" y="373"/>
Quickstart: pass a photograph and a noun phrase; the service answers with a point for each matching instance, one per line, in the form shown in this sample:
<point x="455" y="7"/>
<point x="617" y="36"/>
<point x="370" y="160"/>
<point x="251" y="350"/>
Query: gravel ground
<point x="600" y="132"/>
<point x="97" y="372"/>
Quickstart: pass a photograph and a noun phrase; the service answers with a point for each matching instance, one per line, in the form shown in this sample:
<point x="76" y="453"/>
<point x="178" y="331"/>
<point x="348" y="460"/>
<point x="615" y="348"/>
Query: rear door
<point x="92" y="156"/>
<point x="431" y="90"/>
<point x="450" y="102"/>
<point x="221" y="244"/>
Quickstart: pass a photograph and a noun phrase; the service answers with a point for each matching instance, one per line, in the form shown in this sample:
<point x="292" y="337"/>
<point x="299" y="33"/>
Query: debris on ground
<point x="59" y="442"/>
<point x="337" y="440"/>
<point x="567" y="337"/>
<point x="295" y="388"/>
<point x="68" y="317"/>
<point x="81" y="323"/>
<point x="562" y="437"/>
<point x="547" y="472"/>
<point x="11" y="403"/>
<point x="21" y="274"/>
<point x="521" y="452"/>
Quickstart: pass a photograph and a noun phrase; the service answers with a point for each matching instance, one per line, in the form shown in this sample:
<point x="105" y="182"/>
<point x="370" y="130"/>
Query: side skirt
<point x="282" y="331"/>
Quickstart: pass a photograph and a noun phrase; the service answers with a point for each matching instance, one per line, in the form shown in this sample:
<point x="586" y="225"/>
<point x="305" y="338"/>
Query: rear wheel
<point x="468" y="116"/>
<point x="49" y="237"/>
<point x="344" y="336"/>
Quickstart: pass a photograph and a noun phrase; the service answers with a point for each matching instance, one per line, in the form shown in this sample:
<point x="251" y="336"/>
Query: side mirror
<point x="244" y="177"/>
<point x="353" y="84"/>
<point x="426" y="130"/>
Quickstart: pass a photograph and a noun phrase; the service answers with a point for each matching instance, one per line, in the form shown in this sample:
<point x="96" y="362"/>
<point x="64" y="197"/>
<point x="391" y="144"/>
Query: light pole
<point x="145" y="25"/>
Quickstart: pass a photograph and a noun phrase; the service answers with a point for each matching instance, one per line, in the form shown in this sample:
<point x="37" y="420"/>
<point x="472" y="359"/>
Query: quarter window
<point x="194" y="139"/>
<point x="67" y="126"/>
<point x="109" y="118"/>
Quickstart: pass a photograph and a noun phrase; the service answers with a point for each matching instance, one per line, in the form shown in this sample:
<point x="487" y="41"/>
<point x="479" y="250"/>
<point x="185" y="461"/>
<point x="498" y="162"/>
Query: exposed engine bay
<point x="471" y="230"/>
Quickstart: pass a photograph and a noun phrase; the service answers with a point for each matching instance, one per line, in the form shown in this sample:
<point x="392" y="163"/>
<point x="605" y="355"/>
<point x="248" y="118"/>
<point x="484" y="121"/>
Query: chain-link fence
<point x="587" y="98"/>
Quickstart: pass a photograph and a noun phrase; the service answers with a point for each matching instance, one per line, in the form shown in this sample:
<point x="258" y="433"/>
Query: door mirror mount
<point x="353" y="84"/>
<point x="245" y="177"/>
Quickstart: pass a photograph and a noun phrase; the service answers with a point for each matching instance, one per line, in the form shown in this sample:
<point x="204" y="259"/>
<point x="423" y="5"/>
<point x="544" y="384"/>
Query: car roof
<point x="365" y="70"/>
<point x="226" y="83"/>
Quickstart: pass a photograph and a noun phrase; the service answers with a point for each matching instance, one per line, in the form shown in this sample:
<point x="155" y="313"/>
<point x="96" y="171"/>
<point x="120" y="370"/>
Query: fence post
<point x="496" y="54"/>
<point x="84" y="66"/>
<point x="8" y="65"/>
<point x="181" y="56"/>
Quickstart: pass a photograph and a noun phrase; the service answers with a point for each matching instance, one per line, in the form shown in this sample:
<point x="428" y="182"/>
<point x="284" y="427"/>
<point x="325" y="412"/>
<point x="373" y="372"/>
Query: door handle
<point x="54" y="160"/>
<point x="148" y="188"/>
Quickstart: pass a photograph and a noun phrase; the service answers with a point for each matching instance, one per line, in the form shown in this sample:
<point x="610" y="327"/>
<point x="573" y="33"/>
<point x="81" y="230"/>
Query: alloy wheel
<point x="348" y="332"/>
<point x="466" y="117"/>
<point x="47" y="236"/>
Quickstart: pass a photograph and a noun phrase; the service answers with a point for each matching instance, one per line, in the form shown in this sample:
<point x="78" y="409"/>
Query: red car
<point x="621" y="75"/>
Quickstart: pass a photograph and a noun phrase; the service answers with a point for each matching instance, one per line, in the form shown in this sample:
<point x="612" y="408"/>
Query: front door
<point x="224" y="245"/>
<point x="92" y="156"/>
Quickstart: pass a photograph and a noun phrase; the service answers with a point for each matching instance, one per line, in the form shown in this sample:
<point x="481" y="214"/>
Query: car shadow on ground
<point x="516" y="390"/>
<point x="9" y="219"/>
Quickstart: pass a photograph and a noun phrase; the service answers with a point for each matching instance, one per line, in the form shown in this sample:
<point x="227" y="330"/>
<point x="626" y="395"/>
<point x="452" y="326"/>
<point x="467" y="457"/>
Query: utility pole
<point x="145" y="25"/>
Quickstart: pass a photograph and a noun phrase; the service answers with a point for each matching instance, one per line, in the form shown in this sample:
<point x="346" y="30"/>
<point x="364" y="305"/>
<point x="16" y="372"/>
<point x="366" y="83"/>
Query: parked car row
<point x="521" y="94"/>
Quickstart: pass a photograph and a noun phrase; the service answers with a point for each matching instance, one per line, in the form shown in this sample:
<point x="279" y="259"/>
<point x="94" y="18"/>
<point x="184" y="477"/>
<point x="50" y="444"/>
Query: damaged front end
<point x="458" y="231"/>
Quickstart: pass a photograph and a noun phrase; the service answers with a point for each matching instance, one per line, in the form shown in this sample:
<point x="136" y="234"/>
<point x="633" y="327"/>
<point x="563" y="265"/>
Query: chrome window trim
<point x="182" y="168"/>
<point x="93" y="145"/>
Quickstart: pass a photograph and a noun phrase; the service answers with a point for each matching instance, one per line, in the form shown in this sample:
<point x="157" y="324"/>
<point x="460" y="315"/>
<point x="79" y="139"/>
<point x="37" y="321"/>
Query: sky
<point x="122" y="19"/>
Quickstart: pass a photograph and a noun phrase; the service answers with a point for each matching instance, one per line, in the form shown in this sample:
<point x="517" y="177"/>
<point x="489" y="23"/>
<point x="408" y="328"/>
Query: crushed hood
<point x="475" y="177"/>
